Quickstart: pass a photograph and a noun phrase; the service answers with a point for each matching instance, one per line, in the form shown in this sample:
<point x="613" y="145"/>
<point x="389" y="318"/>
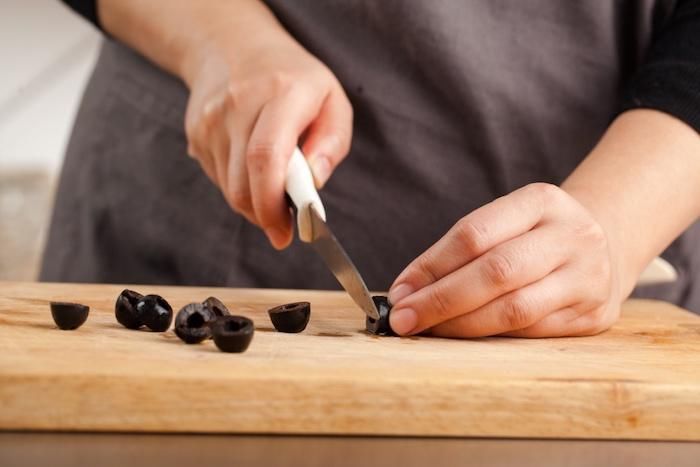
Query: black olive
<point x="192" y="323"/>
<point x="69" y="315"/>
<point x="155" y="312"/>
<point x="292" y="317"/>
<point x="125" y="309"/>
<point x="217" y="306"/>
<point x="380" y="326"/>
<point x="233" y="333"/>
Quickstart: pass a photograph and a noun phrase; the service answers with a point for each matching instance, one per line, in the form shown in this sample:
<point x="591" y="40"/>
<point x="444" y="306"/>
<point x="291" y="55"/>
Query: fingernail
<point x="321" y="168"/>
<point x="276" y="235"/>
<point x="399" y="292"/>
<point x="403" y="320"/>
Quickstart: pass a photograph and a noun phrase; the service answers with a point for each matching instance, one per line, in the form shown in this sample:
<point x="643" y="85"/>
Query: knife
<point x="312" y="228"/>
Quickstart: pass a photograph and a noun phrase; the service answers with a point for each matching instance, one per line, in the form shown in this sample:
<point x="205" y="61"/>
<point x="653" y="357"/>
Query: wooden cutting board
<point x="640" y="380"/>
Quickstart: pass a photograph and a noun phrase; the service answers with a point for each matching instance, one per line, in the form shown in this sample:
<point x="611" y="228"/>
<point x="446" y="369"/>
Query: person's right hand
<point x="251" y="103"/>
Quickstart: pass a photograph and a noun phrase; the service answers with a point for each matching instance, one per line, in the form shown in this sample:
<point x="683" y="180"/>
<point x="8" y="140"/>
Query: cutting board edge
<point x="457" y="410"/>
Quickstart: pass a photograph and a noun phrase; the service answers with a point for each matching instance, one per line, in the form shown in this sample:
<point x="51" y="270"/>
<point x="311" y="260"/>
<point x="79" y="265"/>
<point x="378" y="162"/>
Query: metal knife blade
<point x="338" y="261"/>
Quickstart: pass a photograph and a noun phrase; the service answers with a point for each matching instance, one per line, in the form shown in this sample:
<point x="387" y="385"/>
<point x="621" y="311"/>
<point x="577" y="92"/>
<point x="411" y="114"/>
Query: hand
<point x="247" y="111"/>
<point x="254" y="94"/>
<point x="533" y="263"/>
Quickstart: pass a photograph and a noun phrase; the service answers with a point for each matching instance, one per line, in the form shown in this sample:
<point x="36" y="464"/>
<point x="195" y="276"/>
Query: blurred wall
<point x="46" y="55"/>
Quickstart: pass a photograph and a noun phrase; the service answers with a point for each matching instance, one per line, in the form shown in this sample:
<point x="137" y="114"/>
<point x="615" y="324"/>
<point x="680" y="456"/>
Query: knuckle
<point x="260" y="153"/>
<point x="338" y="146"/>
<point x="599" y="313"/>
<point x="471" y="236"/>
<point x="596" y="325"/>
<point x="324" y="78"/>
<point x="439" y="303"/>
<point x="592" y="233"/>
<point x="196" y="150"/>
<point x="241" y="200"/>
<point x="498" y="269"/>
<point x="546" y="191"/>
<point x="280" y="82"/>
<point x="596" y="301"/>
<point x="548" y="194"/>
<point x="192" y="152"/>
<point x="517" y="312"/>
<point x="209" y="118"/>
<point x="199" y="124"/>
<point x="425" y="267"/>
<point x="234" y="93"/>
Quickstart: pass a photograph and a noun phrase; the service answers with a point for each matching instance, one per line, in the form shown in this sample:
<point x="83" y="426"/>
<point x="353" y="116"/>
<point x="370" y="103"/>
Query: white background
<point x="46" y="56"/>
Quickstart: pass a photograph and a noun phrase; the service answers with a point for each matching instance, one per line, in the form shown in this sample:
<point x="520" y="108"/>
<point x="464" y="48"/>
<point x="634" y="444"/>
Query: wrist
<point x="641" y="182"/>
<point x="229" y="34"/>
<point x="182" y="36"/>
<point x="626" y="256"/>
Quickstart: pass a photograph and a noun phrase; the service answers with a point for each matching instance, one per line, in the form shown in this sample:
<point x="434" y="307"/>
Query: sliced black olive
<point x="233" y="333"/>
<point x="69" y="315"/>
<point x="292" y="317"/>
<point x="192" y="323"/>
<point x="125" y="309"/>
<point x="380" y="326"/>
<point x="217" y="306"/>
<point x="155" y="312"/>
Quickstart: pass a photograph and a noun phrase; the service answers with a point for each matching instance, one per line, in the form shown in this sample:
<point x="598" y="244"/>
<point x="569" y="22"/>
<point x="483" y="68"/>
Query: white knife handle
<point x="299" y="185"/>
<point x="659" y="271"/>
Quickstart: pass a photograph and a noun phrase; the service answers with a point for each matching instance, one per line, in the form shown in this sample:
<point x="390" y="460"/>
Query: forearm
<point x="176" y="34"/>
<point x="642" y="184"/>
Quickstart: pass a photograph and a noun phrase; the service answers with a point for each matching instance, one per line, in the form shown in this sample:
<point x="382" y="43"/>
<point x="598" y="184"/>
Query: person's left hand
<point x="534" y="263"/>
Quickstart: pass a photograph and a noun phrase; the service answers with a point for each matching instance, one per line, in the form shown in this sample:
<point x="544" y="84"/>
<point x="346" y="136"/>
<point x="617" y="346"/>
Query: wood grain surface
<point x="640" y="380"/>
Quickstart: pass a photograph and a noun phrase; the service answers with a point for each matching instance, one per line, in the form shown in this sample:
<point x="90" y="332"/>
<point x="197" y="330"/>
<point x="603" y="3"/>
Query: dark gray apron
<point x="455" y="103"/>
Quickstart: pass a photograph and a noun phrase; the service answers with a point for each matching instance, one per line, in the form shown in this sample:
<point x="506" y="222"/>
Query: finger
<point x="507" y="267"/>
<point x="328" y="137"/>
<point x="239" y="187"/>
<point x="481" y="230"/>
<point x="231" y="169"/>
<point x="569" y="321"/>
<point x="555" y="324"/>
<point x="239" y="130"/>
<point x="272" y="141"/>
<point x="219" y="142"/>
<point x="513" y="311"/>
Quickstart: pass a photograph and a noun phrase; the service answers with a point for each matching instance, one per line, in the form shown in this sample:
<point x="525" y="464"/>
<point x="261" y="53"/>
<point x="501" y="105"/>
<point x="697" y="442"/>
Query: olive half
<point x="217" y="306"/>
<point x="380" y="326"/>
<point x="125" y="309"/>
<point x="155" y="312"/>
<point x="69" y="315"/>
<point x="192" y="323"/>
<point x="233" y="333"/>
<point x="292" y="317"/>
